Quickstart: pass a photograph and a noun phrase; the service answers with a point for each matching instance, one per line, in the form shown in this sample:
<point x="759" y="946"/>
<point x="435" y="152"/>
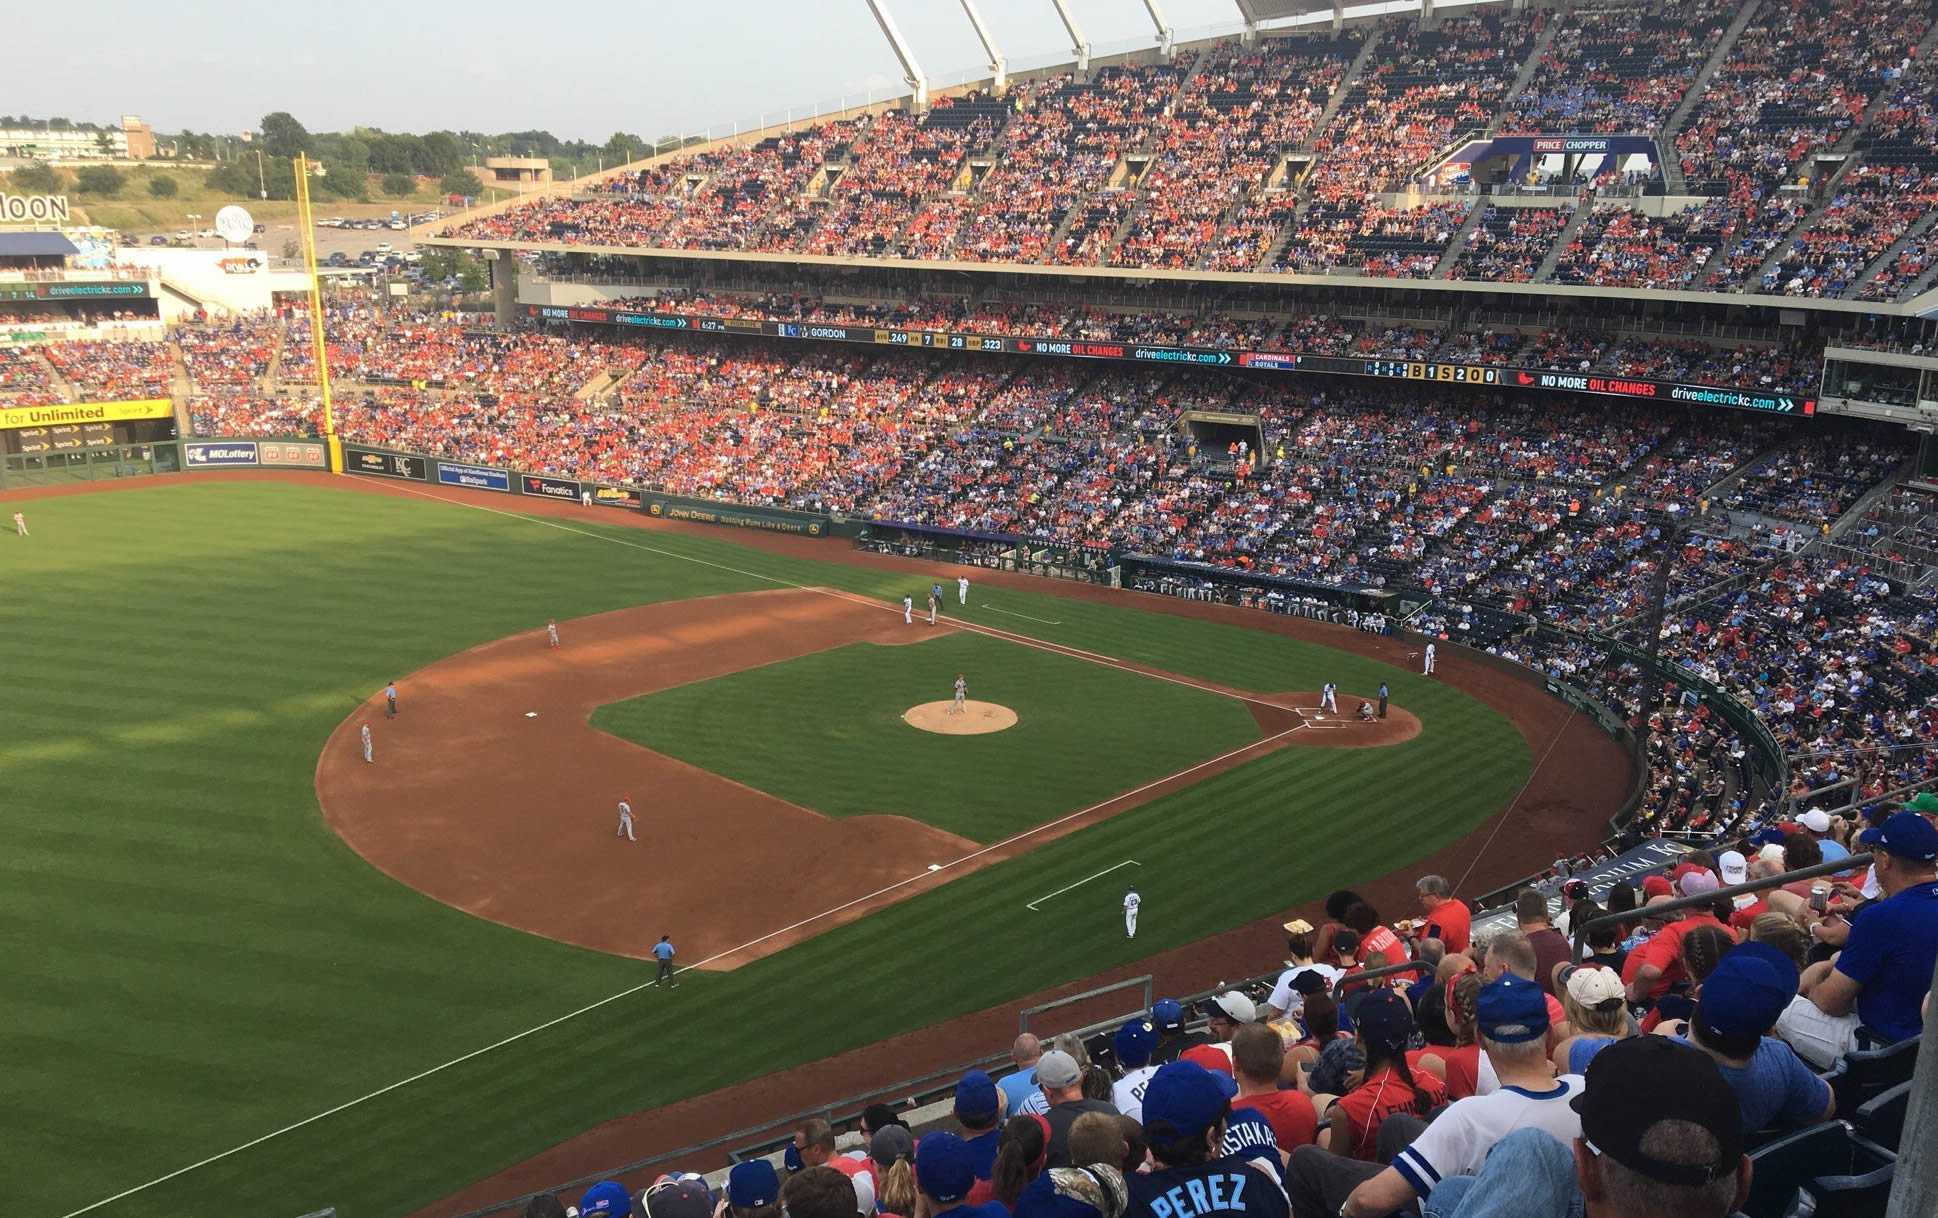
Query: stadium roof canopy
<point x="35" y="245"/>
<point x="1258" y="11"/>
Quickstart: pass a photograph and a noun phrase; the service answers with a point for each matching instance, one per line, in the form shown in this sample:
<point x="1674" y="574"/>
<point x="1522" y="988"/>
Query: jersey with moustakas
<point x="1230" y="1185"/>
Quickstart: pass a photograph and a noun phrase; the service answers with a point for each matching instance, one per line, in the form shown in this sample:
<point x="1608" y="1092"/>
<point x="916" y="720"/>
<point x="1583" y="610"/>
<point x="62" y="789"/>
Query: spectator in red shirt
<point x="1448" y="917"/>
<point x="1459" y="1066"/>
<point x="1383" y="1026"/>
<point x="1656" y="965"/>
<point x="1379" y="946"/>
<point x="1258" y="1053"/>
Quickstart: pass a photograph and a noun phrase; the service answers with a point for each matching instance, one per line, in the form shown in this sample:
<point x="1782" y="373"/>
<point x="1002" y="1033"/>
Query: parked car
<point x="339" y="258"/>
<point x="184" y="235"/>
<point x="399" y="225"/>
<point x="158" y="239"/>
<point x="207" y="232"/>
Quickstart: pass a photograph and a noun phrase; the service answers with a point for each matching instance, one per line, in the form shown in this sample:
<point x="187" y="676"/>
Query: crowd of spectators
<point x="1620" y="248"/>
<point x="113" y="371"/>
<point x="25" y="380"/>
<point x="1618" y="68"/>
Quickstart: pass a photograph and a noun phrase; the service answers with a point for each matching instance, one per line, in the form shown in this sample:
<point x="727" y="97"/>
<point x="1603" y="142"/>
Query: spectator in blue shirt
<point x="1738" y="1004"/>
<point x="1880" y="979"/>
<point x="1019" y="1086"/>
<point x="1817" y="821"/>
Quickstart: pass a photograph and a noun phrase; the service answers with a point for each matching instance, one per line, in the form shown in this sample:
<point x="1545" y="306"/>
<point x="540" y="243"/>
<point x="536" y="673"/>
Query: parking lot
<point x="350" y="242"/>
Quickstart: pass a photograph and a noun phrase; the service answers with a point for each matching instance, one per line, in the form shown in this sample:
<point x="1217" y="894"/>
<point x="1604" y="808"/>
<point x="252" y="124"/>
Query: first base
<point x="531" y="714"/>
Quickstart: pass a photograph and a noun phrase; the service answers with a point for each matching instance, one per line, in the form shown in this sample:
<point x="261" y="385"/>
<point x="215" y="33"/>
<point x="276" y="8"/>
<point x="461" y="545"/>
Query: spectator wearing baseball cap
<point x="1021" y="1156"/>
<point x="1061" y="1079"/>
<point x="1880" y="979"/>
<point x="891" y="1158"/>
<point x="979" y="1110"/>
<point x="677" y="1196"/>
<point x="1449" y="919"/>
<point x="1382" y="1026"/>
<point x="945" y="1172"/>
<point x="1661" y="1134"/>
<point x="1258" y="1058"/>
<point x="1133" y="1045"/>
<point x="606" y="1199"/>
<point x="1737" y="1006"/>
<point x="1186" y="1109"/>
<point x="1816" y="822"/>
<point x="1591" y="997"/>
<point x="1513" y="1016"/>
<point x="753" y="1188"/>
<point x="1167" y="1015"/>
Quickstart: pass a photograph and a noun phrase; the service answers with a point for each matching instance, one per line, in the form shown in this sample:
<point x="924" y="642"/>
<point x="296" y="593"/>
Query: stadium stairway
<point x="1532" y="64"/>
<point x="54" y="377"/>
<point x="1562" y="240"/>
<point x="1444" y="268"/>
<point x="1884" y="260"/>
<point x="1672" y="179"/>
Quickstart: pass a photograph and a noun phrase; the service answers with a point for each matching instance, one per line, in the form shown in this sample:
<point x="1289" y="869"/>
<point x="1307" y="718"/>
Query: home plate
<point x="531" y="714"/>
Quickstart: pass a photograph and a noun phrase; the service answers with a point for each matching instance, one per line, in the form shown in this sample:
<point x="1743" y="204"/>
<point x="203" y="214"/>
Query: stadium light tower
<point x="997" y="64"/>
<point x="912" y="71"/>
<point x="1163" y="27"/>
<point x="1080" y="47"/>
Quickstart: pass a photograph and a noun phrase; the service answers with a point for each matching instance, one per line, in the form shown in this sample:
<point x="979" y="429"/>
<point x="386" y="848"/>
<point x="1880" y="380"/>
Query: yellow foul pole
<point x="318" y="350"/>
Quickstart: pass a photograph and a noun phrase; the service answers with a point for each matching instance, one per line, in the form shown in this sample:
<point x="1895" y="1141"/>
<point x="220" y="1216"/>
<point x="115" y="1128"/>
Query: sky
<point x="579" y="68"/>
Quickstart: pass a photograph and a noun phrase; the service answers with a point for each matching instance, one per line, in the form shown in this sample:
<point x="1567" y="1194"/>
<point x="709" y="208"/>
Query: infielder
<point x="908" y="608"/>
<point x="959" y="707"/>
<point x="962" y="589"/>
<point x="1131" y="902"/>
<point x="1329" y="698"/>
<point x="931" y="608"/>
<point x="625" y="821"/>
<point x="20" y="523"/>
<point x="366" y="743"/>
<point x="1428" y="670"/>
<point x="552" y="632"/>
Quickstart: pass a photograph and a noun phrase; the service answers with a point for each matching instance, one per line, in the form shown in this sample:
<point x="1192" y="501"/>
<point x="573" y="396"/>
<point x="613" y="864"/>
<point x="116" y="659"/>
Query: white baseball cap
<point x="1734" y="867"/>
<point x="1771" y="852"/>
<point x="1236" y="1006"/>
<point x="1816" y="820"/>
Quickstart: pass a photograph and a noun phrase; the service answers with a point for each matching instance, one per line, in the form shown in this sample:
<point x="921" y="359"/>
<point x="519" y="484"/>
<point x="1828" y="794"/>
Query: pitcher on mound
<point x="960" y="705"/>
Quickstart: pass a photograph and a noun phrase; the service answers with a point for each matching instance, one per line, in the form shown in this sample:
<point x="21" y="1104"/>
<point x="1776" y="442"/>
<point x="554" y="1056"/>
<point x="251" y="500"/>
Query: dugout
<point x="1255" y="589"/>
<point x="992" y="551"/>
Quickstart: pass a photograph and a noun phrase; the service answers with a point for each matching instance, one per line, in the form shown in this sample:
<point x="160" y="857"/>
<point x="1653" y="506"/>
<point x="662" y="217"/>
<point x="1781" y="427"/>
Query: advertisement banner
<point x="303" y="453"/>
<point x="86" y="412"/>
<point x="477" y="477"/>
<point x="64" y="438"/>
<point x="616" y="496"/>
<point x="548" y="488"/>
<point x="704" y="511"/>
<point x="1750" y="398"/>
<point x="198" y="453"/>
<point x="383" y="465"/>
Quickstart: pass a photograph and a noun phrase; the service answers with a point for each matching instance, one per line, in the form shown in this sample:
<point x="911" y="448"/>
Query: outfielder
<point x="962" y="589"/>
<point x="1131" y="902"/>
<point x="552" y="632"/>
<point x="366" y="743"/>
<point x="1428" y="670"/>
<point x="908" y="609"/>
<point x="959" y="707"/>
<point x="625" y="821"/>
<point x="20" y="525"/>
<point x="1329" y="698"/>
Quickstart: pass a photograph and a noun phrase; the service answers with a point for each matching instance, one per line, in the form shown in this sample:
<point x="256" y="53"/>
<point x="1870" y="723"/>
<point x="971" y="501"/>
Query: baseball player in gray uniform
<point x="367" y="755"/>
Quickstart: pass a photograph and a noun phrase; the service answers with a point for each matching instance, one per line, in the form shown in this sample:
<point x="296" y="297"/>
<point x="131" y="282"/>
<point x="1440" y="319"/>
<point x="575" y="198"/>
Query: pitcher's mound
<point x="977" y="719"/>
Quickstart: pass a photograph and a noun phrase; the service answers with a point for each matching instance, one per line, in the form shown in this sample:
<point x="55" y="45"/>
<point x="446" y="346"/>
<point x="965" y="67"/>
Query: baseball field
<point x="250" y="972"/>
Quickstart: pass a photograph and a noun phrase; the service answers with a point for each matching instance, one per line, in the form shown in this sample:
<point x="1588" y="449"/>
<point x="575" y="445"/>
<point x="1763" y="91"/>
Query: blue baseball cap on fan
<point x="606" y="1199"/>
<point x="1905" y="835"/>
<point x="976" y="1096"/>
<point x="1167" y="1015"/>
<point x="753" y="1185"/>
<point x="1184" y="1099"/>
<point x="1512" y="1009"/>
<point x="945" y="1168"/>
<point x="1135" y="1041"/>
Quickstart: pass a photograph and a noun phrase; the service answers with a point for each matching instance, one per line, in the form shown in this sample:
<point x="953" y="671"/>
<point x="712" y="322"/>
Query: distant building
<point x="517" y="173"/>
<point x="132" y="140"/>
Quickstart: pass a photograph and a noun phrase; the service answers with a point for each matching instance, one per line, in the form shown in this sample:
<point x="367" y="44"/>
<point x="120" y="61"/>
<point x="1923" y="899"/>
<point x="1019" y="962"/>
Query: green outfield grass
<point x="194" y="960"/>
<point x="844" y="706"/>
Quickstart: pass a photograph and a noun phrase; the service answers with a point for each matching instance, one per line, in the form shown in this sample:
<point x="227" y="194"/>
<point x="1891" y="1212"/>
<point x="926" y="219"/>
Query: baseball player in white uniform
<point x="20" y="527"/>
<point x="1428" y="670"/>
<point x="1131" y="902"/>
<point x="552" y="632"/>
<point x="959" y="707"/>
<point x="962" y="589"/>
<point x="625" y="821"/>
<point x="367" y="755"/>
<point x="1329" y="698"/>
<point x="908" y="608"/>
<point x="931" y="608"/>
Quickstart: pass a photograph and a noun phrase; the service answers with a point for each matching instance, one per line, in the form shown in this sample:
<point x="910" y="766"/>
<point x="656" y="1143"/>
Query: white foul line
<point x="646" y="985"/>
<point x="1085" y="880"/>
<point x="1026" y="617"/>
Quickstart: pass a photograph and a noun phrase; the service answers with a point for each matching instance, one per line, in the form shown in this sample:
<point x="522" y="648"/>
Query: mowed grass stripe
<point x="294" y="604"/>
